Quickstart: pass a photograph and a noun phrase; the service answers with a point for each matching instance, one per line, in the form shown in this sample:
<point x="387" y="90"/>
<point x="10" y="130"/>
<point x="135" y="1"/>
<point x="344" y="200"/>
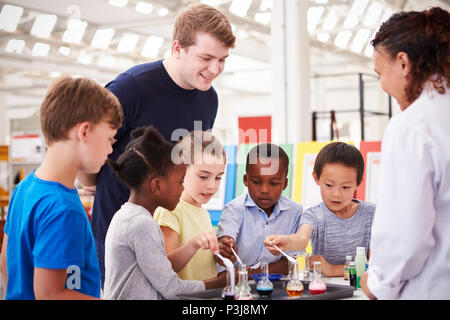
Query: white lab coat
<point x="410" y="241"/>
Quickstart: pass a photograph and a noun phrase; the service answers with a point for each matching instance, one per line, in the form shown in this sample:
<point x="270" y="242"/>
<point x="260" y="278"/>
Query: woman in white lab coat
<point x="410" y="241"/>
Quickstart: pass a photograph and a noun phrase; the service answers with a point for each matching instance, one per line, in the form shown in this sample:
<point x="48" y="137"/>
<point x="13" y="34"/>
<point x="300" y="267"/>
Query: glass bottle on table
<point x="243" y="290"/>
<point x="228" y="293"/>
<point x="264" y="287"/>
<point x="360" y="262"/>
<point x="348" y="259"/>
<point x="317" y="286"/>
<point x="352" y="275"/>
<point x="294" y="287"/>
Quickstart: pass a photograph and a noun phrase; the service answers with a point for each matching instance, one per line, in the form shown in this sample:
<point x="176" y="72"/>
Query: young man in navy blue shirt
<point x="174" y="95"/>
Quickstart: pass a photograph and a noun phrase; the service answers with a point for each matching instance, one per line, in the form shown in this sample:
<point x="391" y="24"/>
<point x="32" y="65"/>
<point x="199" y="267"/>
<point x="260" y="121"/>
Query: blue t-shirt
<point x="148" y="97"/>
<point x="47" y="227"/>
<point x="334" y="238"/>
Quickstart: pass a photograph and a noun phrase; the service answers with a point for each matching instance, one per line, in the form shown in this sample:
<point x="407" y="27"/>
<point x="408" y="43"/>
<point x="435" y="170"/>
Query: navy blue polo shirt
<point x="148" y="97"/>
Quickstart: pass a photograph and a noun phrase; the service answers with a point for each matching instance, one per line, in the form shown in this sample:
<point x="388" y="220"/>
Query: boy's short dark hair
<point x="70" y="101"/>
<point x="269" y="151"/>
<point x="340" y="152"/>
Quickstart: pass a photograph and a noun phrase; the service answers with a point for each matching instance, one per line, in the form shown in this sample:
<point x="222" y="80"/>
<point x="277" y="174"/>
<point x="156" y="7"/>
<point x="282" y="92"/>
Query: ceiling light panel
<point x="152" y="46"/>
<point x="75" y="30"/>
<point x="144" y="7"/>
<point x="358" y="7"/>
<point x="263" y="17"/>
<point x="360" y="40"/>
<point x="43" y="25"/>
<point x="40" y="49"/>
<point x="10" y="17"/>
<point x="342" y="39"/>
<point x="266" y="5"/>
<point x="128" y="42"/>
<point x="118" y="3"/>
<point x="15" y="46"/>
<point x="373" y="14"/>
<point x="330" y="21"/>
<point x="240" y="7"/>
<point x="102" y="38"/>
<point x="314" y="15"/>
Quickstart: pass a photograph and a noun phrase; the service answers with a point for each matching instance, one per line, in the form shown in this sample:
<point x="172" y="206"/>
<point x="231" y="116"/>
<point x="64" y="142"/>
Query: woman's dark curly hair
<point x="424" y="37"/>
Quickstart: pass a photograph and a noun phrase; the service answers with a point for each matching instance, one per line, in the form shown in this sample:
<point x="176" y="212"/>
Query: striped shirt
<point x="334" y="237"/>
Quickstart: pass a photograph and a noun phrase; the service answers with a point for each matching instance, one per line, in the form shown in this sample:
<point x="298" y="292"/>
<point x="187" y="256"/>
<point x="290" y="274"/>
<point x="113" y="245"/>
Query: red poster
<point x="368" y="147"/>
<point x="255" y="129"/>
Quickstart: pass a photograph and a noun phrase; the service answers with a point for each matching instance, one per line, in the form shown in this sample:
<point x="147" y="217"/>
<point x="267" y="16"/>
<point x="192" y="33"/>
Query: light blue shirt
<point x="249" y="226"/>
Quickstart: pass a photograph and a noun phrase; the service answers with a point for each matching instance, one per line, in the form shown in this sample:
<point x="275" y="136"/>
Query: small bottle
<point x="360" y="261"/>
<point x="243" y="291"/>
<point x="264" y="287"/>
<point x="352" y="275"/>
<point x="347" y="267"/>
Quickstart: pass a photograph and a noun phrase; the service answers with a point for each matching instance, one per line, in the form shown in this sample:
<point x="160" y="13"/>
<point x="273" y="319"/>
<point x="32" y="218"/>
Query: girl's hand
<point x="281" y="241"/>
<point x="206" y="240"/>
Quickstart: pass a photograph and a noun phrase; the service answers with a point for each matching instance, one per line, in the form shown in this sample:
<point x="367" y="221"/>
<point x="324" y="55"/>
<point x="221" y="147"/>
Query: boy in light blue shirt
<point x="49" y="251"/>
<point x="247" y="220"/>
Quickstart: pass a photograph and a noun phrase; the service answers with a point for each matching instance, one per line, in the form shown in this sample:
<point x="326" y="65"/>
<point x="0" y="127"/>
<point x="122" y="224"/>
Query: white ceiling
<point x="24" y="77"/>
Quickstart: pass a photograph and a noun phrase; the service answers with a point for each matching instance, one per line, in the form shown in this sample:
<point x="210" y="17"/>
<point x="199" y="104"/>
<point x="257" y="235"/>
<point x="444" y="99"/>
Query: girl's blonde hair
<point x="197" y="143"/>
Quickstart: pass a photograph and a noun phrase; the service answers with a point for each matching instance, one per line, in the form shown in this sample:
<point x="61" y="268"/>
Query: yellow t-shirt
<point x="188" y="221"/>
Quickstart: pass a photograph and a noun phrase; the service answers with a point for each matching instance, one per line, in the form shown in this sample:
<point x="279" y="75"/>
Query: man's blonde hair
<point x="202" y="18"/>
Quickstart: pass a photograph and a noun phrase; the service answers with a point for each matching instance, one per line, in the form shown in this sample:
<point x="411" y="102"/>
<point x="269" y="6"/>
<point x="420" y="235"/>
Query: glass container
<point x="264" y="287"/>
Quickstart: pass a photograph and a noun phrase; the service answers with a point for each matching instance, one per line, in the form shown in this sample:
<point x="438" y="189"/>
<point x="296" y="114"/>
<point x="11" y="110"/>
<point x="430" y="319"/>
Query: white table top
<point x="357" y="294"/>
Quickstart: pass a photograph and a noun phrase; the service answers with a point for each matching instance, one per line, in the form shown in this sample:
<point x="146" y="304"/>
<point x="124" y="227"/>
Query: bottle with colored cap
<point x="352" y="274"/>
<point x="360" y="263"/>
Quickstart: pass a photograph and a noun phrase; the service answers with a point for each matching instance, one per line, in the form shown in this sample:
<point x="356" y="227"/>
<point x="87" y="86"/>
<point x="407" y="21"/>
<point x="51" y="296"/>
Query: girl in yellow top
<point x="188" y="228"/>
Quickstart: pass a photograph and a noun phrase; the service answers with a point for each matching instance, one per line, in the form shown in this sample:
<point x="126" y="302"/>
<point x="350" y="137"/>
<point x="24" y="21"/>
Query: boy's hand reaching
<point x="328" y="269"/>
<point x="281" y="241"/>
<point x="206" y="240"/>
<point x="225" y="244"/>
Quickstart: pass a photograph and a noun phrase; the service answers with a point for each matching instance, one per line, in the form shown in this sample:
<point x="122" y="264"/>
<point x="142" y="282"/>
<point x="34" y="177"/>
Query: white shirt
<point x="410" y="242"/>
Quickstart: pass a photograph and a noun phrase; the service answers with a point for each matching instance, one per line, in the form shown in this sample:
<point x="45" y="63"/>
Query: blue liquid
<point x="264" y="291"/>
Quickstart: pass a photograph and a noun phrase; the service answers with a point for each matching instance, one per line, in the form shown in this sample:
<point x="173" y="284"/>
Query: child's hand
<point x="327" y="268"/>
<point x="281" y="241"/>
<point x="206" y="240"/>
<point x="225" y="244"/>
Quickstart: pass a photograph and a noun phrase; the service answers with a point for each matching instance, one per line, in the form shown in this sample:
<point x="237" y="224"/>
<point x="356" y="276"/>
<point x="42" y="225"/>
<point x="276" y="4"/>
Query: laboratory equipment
<point x="228" y="293"/>
<point x="348" y="259"/>
<point x="237" y="257"/>
<point x="317" y="286"/>
<point x="284" y="253"/>
<point x="264" y="287"/>
<point x="352" y="275"/>
<point x="360" y="262"/>
<point x="294" y="287"/>
<point x="243" y="290"/>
